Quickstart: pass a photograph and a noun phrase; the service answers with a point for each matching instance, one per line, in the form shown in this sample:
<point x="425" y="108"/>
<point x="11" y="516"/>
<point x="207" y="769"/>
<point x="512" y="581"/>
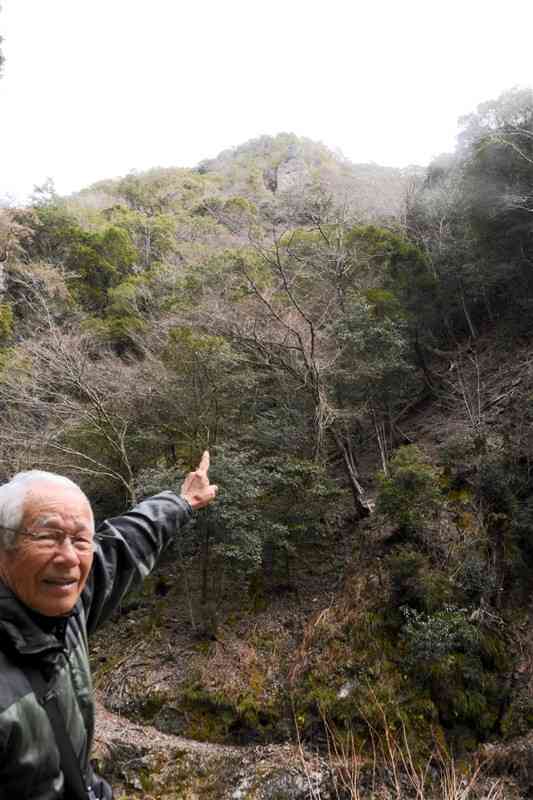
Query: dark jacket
<point x="126" y="551"/>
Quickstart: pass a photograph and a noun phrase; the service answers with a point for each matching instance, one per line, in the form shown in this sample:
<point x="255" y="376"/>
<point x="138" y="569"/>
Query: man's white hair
<point x="12" y="499"/>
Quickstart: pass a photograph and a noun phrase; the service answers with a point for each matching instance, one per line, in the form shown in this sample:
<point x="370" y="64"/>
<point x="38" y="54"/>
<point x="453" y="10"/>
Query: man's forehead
<point x="53" y="498"/>
<point x="53" y="489"/>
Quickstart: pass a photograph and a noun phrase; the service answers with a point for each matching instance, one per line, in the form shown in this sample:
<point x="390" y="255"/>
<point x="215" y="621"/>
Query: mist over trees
<point x="289" y="310"/>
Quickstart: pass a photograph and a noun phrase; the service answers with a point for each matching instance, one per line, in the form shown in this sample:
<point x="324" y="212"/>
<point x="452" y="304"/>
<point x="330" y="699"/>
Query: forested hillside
<point x="353" y="345"/>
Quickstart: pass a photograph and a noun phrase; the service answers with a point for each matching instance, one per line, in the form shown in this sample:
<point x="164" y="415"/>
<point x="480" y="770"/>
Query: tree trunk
<point x="429" y="377"/>
<point x="361" y="505"/>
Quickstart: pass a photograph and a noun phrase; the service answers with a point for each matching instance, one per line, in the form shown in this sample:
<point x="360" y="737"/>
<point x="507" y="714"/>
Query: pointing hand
<point x="196" y="487"/>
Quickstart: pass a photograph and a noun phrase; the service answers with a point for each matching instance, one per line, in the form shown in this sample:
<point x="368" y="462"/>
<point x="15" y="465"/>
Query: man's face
<point x="49" y="566"/>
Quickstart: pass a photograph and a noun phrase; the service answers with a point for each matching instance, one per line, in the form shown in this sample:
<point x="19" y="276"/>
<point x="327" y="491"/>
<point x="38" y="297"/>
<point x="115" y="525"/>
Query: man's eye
<point x="45" y="541"/>
<point x="82" y="544"/>
<point x="45" y="536"/>
<point x="50" y="539"/>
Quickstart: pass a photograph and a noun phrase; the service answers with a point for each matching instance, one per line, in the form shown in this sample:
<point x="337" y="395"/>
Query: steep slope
<point x="278" y="657"/>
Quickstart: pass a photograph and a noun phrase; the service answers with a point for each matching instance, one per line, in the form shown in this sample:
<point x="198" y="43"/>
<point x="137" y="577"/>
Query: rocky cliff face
<point x="286" y="164"/>
<point x="293" y="172"/>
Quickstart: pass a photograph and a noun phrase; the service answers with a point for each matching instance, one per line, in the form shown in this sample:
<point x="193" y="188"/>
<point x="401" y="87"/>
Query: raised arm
<point x="128" y="546"/>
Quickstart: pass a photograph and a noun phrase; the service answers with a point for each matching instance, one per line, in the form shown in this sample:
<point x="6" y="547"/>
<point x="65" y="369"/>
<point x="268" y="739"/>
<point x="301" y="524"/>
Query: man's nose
<point x="66" y="551"/>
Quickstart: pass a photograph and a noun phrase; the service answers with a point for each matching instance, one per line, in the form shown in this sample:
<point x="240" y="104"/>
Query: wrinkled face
<point x="49" y="566"/>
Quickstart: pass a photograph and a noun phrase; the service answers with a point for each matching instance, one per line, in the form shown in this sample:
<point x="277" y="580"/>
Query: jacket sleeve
<point x="127" y="549"/>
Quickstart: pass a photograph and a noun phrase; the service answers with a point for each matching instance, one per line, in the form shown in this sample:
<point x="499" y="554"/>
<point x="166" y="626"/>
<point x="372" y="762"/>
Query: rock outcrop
<point x="142" y="762"/>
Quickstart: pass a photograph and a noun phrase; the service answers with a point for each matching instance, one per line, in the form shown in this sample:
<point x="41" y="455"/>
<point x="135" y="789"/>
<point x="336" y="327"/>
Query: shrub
<point x="410" y="495"/>
<point x="415" y="582"/>
<point x="476" y="577"/>
<point x="430" y="638"/>
<point x="462" y="665"/>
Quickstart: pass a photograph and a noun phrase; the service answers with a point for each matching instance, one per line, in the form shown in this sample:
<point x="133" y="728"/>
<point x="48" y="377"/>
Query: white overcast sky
<point x="95" y="88"/>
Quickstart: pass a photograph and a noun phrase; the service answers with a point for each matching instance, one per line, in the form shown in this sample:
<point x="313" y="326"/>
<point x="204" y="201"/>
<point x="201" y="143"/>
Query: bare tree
<point x="59" y="408"/>
<point x="291" y="292"/>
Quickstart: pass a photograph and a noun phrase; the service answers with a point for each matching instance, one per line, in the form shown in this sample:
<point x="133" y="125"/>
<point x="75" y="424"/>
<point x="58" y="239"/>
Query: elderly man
<point x="59" y="580"/>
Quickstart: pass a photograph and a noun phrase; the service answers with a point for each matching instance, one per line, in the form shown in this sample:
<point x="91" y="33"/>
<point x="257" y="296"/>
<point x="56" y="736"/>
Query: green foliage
<point x="100" y="261"/>
<point x="476" y="576"/>
<point x="54" y="231"/>
<point x="123" y="322"/>
<point x="153" y="236"/>
<point x="377" y="343"/>
<point x="96" y="260"/>
<point x="274" y="499"/>
<point x="430" y="638"/>
<point x="385" y="305"/>
<point x="415" y="582"/>
<point x="410" y="496"/>
<point x="490" y="497"/>
<point x="354" y="676"/>
<point x="157" y="191"/>
<point x="462" y="666"/>
<point x="448" y="669"/>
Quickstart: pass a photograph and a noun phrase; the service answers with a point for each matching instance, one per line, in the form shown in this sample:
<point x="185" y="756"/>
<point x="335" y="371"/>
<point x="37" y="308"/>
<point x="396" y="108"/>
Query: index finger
<point x="203" y="466"/>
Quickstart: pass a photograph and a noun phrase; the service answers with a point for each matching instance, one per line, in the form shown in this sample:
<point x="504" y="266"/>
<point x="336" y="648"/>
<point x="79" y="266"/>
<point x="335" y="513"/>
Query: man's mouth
<point x="60" y="581"/>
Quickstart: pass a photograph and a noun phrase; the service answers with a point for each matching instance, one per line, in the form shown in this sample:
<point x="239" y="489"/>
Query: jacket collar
<point x="26" y="631"/>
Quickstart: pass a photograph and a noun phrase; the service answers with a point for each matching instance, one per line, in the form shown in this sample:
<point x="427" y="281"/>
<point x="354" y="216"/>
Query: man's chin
<point x="56" y="601"/>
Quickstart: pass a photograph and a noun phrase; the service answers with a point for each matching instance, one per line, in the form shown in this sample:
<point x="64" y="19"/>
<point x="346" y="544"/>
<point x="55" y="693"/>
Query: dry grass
<point x="348" y="609"/>
<point x="391" y="772"/>
<point x="252" y="660"/>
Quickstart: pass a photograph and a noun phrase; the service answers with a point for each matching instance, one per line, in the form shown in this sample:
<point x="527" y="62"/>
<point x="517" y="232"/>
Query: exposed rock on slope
<point x="145" y="763"/>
